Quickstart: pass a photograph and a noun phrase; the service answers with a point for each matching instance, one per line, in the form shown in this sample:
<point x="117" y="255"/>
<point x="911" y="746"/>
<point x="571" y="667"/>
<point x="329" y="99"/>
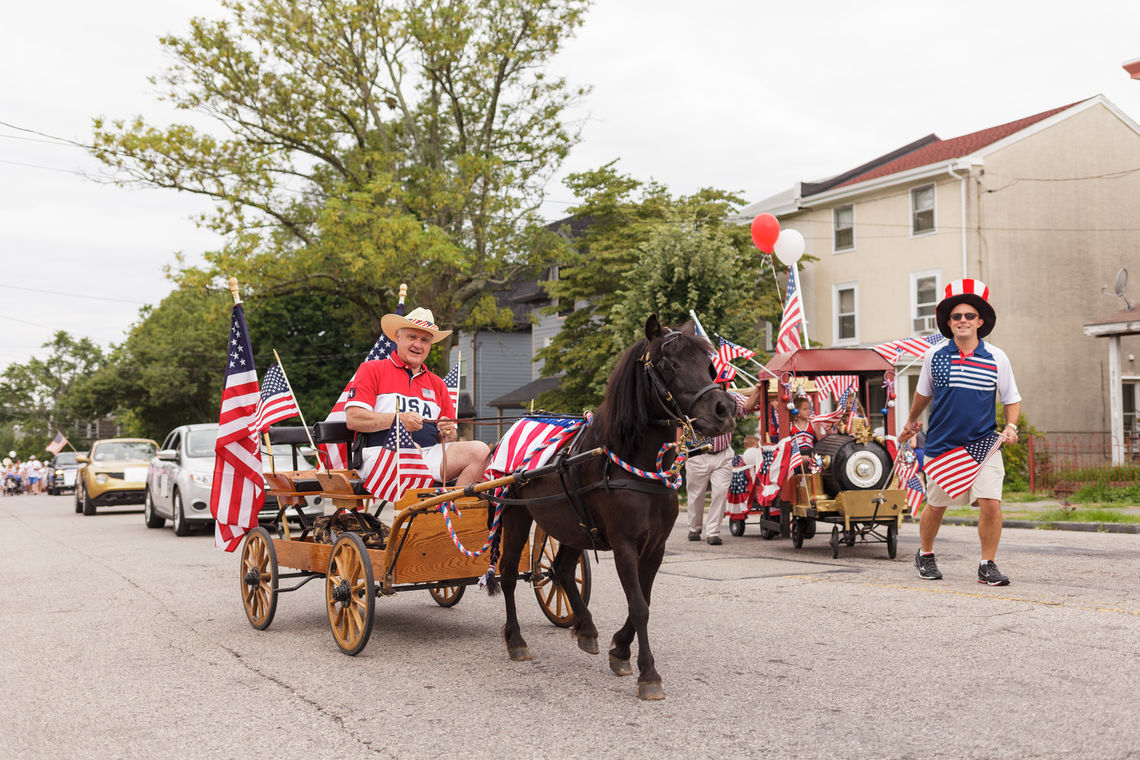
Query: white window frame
<point x="933" y="210"/>
<point x="835" y="289"/>
<point x="834" y="229"/>
<point x="914" y="278"/>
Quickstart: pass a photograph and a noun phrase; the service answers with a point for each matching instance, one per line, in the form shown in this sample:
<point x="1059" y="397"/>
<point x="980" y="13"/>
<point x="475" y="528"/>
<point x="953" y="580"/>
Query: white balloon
<point x="789" y="247"/>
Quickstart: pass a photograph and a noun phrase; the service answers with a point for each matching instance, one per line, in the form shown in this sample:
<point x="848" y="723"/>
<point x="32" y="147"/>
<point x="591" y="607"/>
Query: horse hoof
<point x="519" y="654"/>
<point x="650" y="690"/>
<point x="588" y="644"/>
<point x="622" y="667"/>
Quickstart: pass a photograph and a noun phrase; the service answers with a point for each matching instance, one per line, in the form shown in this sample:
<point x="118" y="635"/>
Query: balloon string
<point x="776" y="279"/>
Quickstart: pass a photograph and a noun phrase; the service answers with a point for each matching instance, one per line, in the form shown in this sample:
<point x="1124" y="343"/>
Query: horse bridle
<point x="679" y="416"/>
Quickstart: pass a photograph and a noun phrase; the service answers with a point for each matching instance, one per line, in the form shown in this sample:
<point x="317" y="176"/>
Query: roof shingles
<point x="944" y="150"/>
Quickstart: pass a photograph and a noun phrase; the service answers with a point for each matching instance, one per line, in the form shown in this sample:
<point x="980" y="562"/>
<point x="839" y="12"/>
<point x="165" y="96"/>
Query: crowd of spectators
<point x="19" y="476"/>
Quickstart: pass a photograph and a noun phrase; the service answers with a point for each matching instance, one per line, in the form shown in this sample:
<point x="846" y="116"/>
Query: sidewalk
<point x="1038" y="506"/>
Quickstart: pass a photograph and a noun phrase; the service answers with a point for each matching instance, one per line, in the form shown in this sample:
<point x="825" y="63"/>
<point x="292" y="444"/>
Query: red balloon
<point x="765" y="231"/>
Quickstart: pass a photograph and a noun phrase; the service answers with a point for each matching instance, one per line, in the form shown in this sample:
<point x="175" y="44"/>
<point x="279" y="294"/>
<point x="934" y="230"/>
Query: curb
<point x="1087" y="527"/>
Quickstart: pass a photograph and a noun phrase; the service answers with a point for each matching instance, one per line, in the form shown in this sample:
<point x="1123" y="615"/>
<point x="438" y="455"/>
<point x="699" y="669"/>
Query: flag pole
<point x="234" y="290"/>
<point x="803" y="305"/>
<point x="301" y="414"/>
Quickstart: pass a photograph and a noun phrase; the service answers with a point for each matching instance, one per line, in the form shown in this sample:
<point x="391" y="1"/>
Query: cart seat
<point x="332" y="432"/>
<point x="289" y="436"/>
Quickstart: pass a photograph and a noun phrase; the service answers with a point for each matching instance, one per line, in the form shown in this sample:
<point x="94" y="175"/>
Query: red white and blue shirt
<point x="963" y="387"/>
<point x="389" y="386"/>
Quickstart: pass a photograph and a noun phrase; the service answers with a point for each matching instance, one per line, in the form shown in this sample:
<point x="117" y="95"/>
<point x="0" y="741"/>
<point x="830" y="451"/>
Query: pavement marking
<point x="974" y="594"/>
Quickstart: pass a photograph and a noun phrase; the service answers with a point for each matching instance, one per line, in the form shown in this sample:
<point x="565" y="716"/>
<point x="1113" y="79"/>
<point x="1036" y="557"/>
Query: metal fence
<point x="1065" y="462"/>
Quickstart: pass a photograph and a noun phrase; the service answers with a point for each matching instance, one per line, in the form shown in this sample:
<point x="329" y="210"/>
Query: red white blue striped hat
<point x="973" y="292"/>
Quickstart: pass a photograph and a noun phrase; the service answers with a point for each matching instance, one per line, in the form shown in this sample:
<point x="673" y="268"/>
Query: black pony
<point x="660" y="382"/>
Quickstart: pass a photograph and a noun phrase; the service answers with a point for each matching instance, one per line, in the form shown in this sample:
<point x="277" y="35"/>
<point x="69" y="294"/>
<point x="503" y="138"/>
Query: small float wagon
<point x="849" y="491"/>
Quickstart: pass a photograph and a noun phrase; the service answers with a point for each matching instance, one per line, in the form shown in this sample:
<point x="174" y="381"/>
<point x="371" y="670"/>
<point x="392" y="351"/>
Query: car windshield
<point x="200" y="443"/>
<point x="67" y="458"/>
<point x="135" y="451"/>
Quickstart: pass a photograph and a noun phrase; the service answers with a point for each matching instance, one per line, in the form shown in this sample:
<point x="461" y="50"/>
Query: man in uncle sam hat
<point x="963" y="462"/>
<point x="399" y="385"/>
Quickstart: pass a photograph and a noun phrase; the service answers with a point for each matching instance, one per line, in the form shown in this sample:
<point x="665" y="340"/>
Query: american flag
<point x="452" y="383"/>
<point x="526" y="442"/>
<point x="741" y="483"/>
<point x="826" y="419"/>
<point x="836" y="386"/>
<point x="729" y="351"/>
<point x="277" y="401"/>
<point x="907" y="473"/>
<point x="398" y="467"/>
<point x="337" y="453"/>
<point x="788" y="339"/>
<point x="786" y="459"/>
<point x="57" y="443"/>
<point x="956" y="470"/>
<point x="891" y="350"/>
<point x="237" y="493"/>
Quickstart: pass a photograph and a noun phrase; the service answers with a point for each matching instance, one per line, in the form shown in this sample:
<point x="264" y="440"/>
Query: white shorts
<point x="433" y="458"/>
<point x="987" y="486"/>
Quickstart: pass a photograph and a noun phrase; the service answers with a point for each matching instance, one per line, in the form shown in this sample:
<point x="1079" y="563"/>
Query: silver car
<point x="182" y="472"/>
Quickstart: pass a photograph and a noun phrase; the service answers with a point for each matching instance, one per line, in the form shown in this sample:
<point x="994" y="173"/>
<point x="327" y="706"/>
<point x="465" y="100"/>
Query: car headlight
<point x="201" y="479"/>
<point x="101" y="478"/>
<point x="58" y="473"/>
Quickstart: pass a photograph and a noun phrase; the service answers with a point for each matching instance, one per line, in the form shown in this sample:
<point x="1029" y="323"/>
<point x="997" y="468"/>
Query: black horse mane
<point x="630" y="404"/>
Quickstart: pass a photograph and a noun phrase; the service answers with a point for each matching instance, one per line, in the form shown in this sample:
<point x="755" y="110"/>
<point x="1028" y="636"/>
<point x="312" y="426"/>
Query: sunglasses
<point x="967" y="317"/>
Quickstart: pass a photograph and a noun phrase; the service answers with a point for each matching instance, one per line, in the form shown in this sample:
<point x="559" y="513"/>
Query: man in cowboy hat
<point x="961" y="379"/>
<point x="400" y="386"/>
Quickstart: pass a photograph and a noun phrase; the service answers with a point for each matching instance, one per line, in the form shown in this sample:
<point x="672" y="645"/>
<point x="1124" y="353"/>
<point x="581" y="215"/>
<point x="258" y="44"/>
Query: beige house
<point x="1045" y="210"/>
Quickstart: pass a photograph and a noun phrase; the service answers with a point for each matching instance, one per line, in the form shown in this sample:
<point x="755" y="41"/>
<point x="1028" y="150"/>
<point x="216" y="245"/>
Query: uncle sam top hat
<point x="973" y="292"/>
<point x="419" y="319"/>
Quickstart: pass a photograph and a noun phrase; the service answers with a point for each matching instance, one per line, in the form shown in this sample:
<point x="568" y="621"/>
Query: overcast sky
<point x="743" y="95"/>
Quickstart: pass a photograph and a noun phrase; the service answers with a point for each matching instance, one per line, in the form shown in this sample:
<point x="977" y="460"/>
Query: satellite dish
<point x="1120" y="283"/>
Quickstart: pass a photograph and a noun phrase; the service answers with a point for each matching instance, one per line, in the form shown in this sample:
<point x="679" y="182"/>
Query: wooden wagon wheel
<point x="551" y="597"/>
<point x="350" y="593"/>
<point x="447" y="596"/>
<point x="259" y="578"/>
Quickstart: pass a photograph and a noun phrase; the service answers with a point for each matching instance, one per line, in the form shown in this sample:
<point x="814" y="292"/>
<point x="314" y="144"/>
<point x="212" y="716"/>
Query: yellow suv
<point x="113" y="472"/>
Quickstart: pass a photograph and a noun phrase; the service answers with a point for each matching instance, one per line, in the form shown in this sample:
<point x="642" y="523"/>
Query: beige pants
<point x="701" y="472"/>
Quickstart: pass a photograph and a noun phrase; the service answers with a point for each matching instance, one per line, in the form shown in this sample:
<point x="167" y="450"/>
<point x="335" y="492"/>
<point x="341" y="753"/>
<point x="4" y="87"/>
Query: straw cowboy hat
<point x="973" y="292"/>
<point x="419" y="319"/>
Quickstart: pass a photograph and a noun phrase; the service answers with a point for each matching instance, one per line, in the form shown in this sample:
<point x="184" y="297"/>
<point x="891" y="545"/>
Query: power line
<point x="74" y="295"/>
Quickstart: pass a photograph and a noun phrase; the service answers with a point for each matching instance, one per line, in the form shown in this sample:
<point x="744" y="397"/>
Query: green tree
<point x="637" y="251"/>
<point x="168" y="371"/>
<point x="361" y="143"/>
<point x="35" y="393"/>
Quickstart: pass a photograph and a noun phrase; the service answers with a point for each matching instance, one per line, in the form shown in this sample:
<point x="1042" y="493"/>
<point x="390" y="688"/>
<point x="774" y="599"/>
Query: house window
<point x="844" y="218"/>
<point x="846" y="306"/>
<point x="922" y="210"/>
<point x="924" y="287"/>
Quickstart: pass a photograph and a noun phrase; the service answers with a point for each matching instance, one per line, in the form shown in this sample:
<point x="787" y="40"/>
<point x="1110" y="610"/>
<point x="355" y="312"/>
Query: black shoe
<point x="927" y="567"/>
<point x="715" y="541"/>
<point x="694" y="535"/>
<point x="989" y="574"/>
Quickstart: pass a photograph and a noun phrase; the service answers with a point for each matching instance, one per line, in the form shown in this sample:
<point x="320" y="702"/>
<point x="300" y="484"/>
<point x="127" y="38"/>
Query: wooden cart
<point x="418" y="554"/>
<point x="861" y="515"/>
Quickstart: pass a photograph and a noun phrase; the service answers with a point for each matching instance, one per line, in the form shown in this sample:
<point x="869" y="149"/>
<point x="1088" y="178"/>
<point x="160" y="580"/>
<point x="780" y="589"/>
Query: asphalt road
<point x="123" y="642"/>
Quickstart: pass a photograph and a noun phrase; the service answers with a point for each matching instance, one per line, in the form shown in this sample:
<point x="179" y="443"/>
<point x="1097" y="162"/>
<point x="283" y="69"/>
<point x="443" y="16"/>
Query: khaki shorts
<point x="987" y="486"/>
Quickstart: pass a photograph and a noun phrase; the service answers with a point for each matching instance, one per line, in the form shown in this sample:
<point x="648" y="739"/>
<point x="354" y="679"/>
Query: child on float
<point x="802" y="428"/>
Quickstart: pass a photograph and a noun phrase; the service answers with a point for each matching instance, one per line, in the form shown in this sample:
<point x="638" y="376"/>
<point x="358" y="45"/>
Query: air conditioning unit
<point x="925" y="325"/>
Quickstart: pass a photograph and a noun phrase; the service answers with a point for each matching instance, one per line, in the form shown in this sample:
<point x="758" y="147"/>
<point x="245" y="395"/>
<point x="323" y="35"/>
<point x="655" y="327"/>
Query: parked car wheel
<point x="181" y="527"/>
<point x="149" y="517"/>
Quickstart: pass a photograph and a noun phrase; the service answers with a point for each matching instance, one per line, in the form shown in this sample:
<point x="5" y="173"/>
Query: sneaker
<point x="715" y="541"/>
<point x="989" y="574"/>
<point x="694" y="535"/>
<point x="927" y="567"/>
